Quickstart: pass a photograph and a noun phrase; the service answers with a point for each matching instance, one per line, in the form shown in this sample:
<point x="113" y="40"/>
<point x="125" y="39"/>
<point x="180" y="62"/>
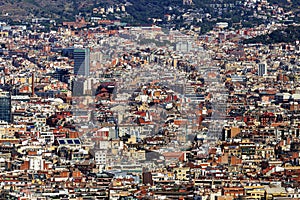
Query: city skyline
<point x="149" y="100"/>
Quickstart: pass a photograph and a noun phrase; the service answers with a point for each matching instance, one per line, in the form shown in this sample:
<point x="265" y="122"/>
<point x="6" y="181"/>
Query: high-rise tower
<point x="82" y="61"/>
<point x="262" y="69"/>
<point x="5" y="106"/>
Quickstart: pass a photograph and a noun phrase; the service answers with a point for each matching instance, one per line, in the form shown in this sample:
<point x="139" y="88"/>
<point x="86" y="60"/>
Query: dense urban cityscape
<point x="202" y="104"/>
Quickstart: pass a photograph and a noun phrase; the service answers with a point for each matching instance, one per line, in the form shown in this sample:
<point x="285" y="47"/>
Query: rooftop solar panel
<point x="77" y="141"/>
<point x="61" y="142"/>
<point x="70" y="141"/>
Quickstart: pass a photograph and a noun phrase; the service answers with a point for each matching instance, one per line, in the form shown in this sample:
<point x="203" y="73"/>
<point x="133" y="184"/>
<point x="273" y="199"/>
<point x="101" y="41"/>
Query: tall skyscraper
<point x="5" y="106"/>
<point x="82" y="61"/>
<point x="262" y="69"/>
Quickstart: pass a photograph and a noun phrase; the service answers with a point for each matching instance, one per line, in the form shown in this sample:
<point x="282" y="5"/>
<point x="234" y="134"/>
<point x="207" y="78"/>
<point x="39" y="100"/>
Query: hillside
<point x="140" y="10"/>
<point x="290" y="34"/>
<point x="201" y="13"/>
<point x="57" y="9"/>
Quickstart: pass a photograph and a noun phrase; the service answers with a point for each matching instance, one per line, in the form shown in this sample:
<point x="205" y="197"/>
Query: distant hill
<point x="57" y="9"/>
<point x="287" y="35"/>
<point x="142" y="11"/>
<point x="67" y="9"/>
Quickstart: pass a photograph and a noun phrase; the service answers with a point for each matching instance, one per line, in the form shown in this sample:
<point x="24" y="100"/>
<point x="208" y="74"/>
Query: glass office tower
<point x="82" y="62"/>
<point x="5" y="107"/>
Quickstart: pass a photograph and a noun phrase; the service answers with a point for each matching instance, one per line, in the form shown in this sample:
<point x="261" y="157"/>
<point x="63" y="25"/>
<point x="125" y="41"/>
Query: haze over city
<point x="133" y="99"/>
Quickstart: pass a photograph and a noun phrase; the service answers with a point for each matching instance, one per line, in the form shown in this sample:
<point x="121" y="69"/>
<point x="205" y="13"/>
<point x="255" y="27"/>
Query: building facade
<point x="5" y="107"/>
<point x="82" y="62"/>
<point x="262" y="69"/>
